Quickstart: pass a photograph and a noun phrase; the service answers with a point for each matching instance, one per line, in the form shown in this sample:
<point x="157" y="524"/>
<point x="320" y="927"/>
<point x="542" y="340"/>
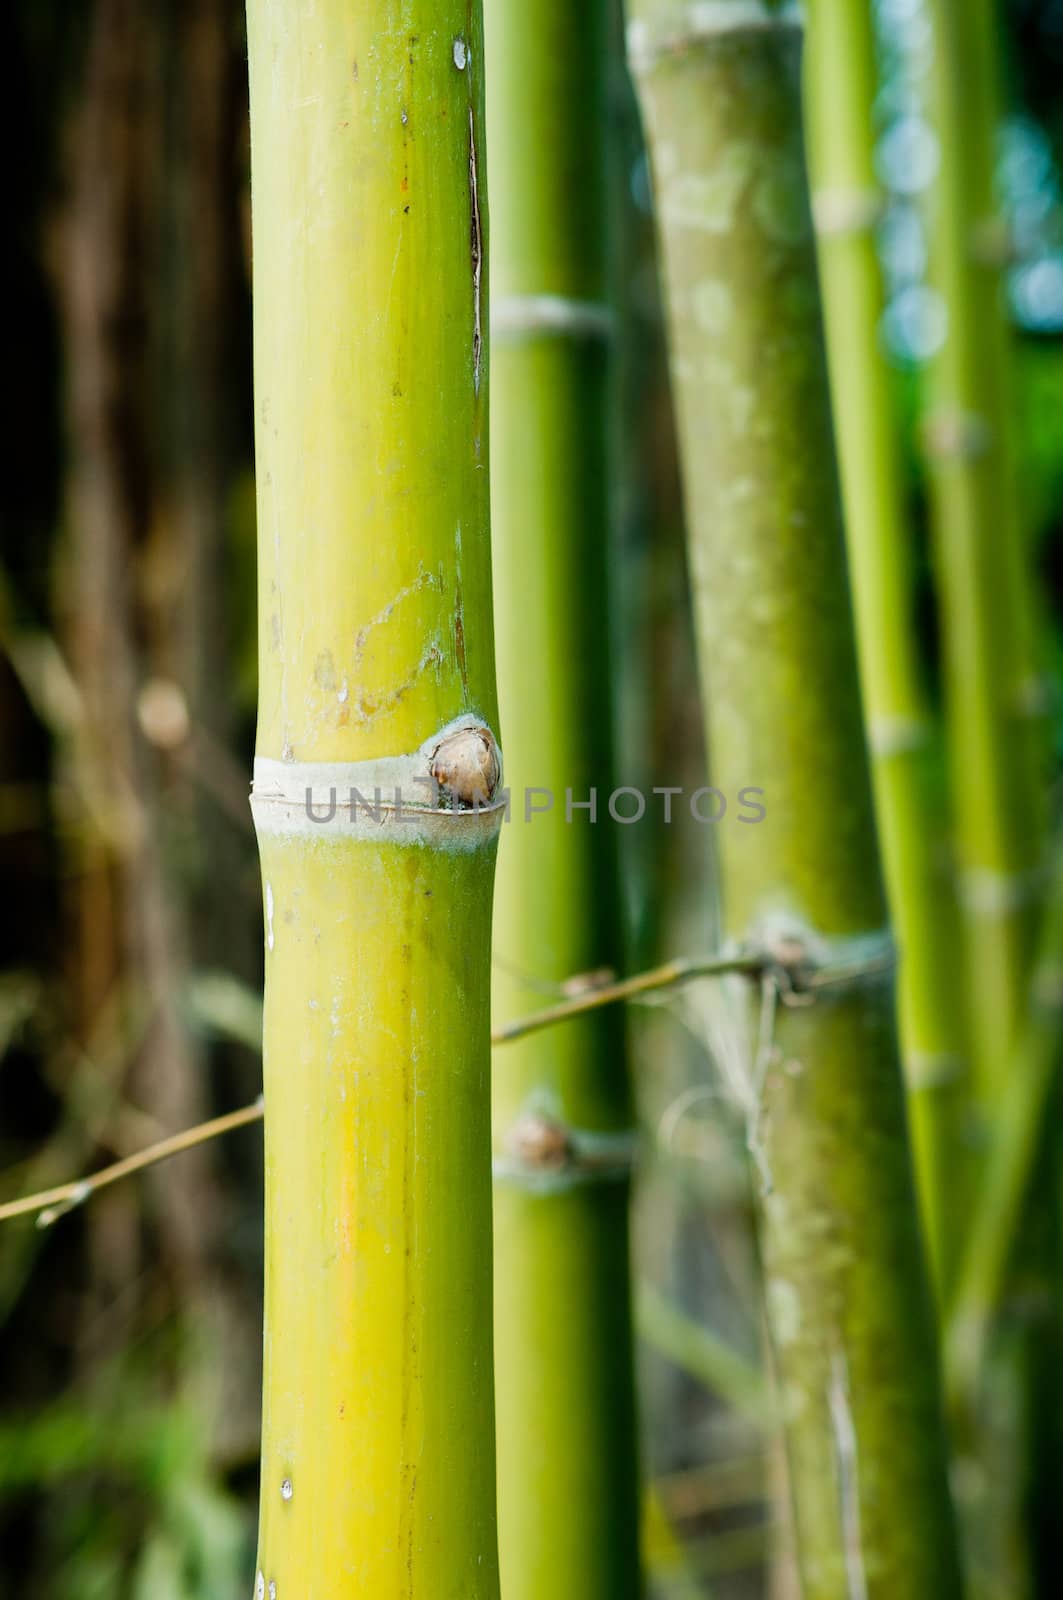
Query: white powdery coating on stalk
<point x="390" y="798"/>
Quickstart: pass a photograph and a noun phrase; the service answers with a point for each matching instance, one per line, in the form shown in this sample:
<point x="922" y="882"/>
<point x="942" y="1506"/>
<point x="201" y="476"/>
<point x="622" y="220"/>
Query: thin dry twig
<point x="607" y="994"/>
<point x="51" y="1204"/>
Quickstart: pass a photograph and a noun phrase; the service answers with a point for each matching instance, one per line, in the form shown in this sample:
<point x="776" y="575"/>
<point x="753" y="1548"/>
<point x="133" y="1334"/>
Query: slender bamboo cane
<point x="985" y="598"/>
<point x="378" y="1472"/>
<point x="983" y="590"/>
<point x="1020" y="1131"/>
<point x="840" y="89"/>
<point x="847" y="1297"/>
<point x="568" y="1477"/>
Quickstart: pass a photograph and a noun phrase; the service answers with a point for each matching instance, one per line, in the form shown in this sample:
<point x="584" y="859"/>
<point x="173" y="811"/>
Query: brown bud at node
<point x="466" y="766"/>
<point x="537" y="1141"/>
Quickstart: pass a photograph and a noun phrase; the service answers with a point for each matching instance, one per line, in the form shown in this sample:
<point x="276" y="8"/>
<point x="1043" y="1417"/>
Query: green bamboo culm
<point x="847" y="203"/>
<point x="567" y="1461"/>
<point x="846" y="1288"/>
<point x="375" y="798"/>
<point x="983" y="585"/>
<point x="996" y="736"/>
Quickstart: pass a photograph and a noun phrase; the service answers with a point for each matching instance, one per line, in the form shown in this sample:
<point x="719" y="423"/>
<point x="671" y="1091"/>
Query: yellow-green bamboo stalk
<point x="567" y="1462"/>
<point x="847" y="1297"/>
<point x="1021" y="1130"/>
<point x="985" y="599"/>
<point x="377" y="674"/>
<point x="983" y="589"/>
<point x="840" y="90"/>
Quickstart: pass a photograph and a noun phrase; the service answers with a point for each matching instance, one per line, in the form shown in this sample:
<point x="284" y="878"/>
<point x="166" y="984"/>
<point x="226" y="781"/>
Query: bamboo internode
<point x="568" y="1470"/>
<point x="847" y="1297"/>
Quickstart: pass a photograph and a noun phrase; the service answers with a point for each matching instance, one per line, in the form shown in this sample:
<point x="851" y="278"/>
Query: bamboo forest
<point x="531" y="800"/>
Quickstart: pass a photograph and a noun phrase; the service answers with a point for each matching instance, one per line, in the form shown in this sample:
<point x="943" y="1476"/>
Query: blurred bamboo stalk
<point x="1014" y="1158"/>
<point x="377" y="674"/>
<point x="847" y="204"/>
<point x="847" y="1297"/>
<point x="984" y="586"/>
<point x="568" y="1468"/>
<point x="994" y="700"/>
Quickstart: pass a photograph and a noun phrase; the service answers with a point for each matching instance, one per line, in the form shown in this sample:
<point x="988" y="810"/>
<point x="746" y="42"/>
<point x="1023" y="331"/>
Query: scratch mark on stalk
<point x="477" y="252"/>
<point x="367" y="707"/>
<point x="459" y="620"/>
<point x="423" y="580"/>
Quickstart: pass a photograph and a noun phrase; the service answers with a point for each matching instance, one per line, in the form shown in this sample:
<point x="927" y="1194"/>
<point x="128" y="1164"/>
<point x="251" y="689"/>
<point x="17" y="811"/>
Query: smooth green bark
<point x="847" y="1296"/>
<point x="568" y="1480"/>
<point x="840" y="91"/>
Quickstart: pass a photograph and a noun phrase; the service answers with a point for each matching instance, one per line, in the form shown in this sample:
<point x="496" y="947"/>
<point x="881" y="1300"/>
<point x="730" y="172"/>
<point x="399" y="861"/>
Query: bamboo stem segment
<point x="985" y="588"/>
<point x="840" y="85"/>
<point x="370" y="221"/>
<point x="568" y="1471"/>
<point x="985" y="593"/>
<point x="847" y="1297"/>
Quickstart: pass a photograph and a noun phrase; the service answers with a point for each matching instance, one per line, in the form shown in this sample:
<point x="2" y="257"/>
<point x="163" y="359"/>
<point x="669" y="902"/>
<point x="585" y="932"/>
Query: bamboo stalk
<point x="846" y="1291"/>
<point x="568" y="1471"/>
<point x="992" y="697"/>
<point x="984" y="591"/>
<point x="840" y="91"/>
<point x="1011" y="1166"/>
<point x="377" y="673"/>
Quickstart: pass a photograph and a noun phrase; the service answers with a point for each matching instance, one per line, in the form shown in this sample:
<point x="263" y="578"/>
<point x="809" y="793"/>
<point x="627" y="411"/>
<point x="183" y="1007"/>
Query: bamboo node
<point x="1034" y="696"/>
<point x="952" y="434"/>
<point x="524" y="316"/>
<point x="895" y="736"/>
<point x="926" y="1070"/>
<point x="837" y="212"/>
<point x="1046" y="989"/>
<point x="543" y="1153"/>
<point x="539" y="1141"/>
<point x="799" y="963"/>
<point x="985" y="892"/>
<point x="447" y="792"/>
